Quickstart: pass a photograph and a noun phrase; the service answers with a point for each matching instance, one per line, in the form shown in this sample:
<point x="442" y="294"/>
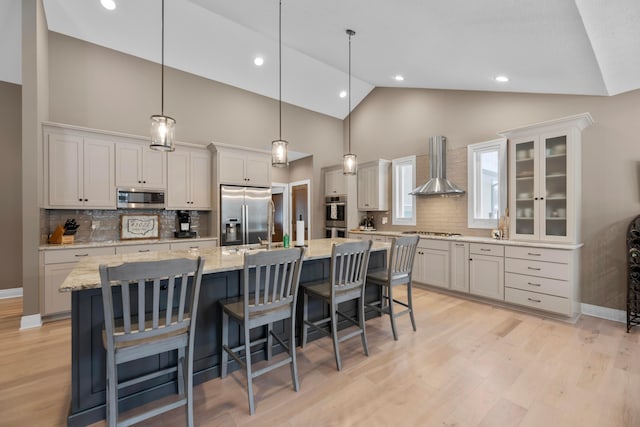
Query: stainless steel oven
<point x="335" y="211"/>
<point x="332" y="232"/>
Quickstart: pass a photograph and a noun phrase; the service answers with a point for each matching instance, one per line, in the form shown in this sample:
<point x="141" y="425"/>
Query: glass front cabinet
<point x="544" y="180"/>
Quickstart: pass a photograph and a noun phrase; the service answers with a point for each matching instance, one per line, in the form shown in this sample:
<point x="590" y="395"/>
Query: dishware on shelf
<point x="560" y="149"/>
<point x="528" y="212"/>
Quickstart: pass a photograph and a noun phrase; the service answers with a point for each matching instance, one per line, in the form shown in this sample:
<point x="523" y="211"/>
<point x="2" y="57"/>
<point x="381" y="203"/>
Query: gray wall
<point x="11" y="190"/>
<point x="391" y="123"/>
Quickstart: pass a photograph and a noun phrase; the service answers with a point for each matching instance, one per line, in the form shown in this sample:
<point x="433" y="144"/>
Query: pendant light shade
<point x="279" y="147"/>
<point x="349" y="160"/>
<point x="163" y="128"/>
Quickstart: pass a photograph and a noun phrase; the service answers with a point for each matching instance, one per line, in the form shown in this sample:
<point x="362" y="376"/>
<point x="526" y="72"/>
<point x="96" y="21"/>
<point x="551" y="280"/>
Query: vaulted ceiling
<point x="586" y="47"/>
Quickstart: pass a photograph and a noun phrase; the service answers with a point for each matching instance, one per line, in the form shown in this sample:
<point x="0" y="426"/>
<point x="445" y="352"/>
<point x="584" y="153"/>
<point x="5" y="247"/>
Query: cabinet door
<point x="418" y="266"/>
<point x="55" y="301"/>
<point x="178" y="173"/>
<point x="366" y="176"/>
<point x="231" y="168"/>
<point x="436" y="267"/>
<point x="200" y="177"/>
<point x="334" y="183"/>
<point x="555" y="191"/>
<point x="524" y="188"/>
<point x="486" y="276"/>
<point x="257" y="170"/>
<point x="99" y="171"/>
<point x="65" y="165"/>
<point x="460" y="266"/>
<point x="154" y="169"/>
<point x="128" y="165"/>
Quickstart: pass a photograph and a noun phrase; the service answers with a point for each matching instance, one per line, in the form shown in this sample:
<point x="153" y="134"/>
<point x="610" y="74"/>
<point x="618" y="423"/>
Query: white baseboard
<point x="10" y="293"/>
<point x="604" y="313"/>
<point x="30" y="321"/>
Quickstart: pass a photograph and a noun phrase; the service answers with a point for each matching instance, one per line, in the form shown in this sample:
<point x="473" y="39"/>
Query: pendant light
<point x="279" y="146"/>
<point x="349" y="160"/>
<point x="162" y="127"/>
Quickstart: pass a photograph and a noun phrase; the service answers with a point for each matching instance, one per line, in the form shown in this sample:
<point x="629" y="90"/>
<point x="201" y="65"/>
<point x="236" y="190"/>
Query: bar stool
<point x="271" y="280"/>
<point x="403" y="251"/>
<point x="349" y="264"/>
<point x="155" y="319"/>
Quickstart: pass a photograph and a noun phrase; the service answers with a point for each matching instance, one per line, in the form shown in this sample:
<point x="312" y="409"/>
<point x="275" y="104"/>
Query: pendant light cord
<point x="350" y="33"/>
<point x="280" y="69"/>
<point x="162" y="69"/>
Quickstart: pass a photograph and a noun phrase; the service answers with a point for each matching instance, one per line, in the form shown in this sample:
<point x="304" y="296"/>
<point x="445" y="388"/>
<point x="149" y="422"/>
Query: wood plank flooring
<point x="469" y="364"/>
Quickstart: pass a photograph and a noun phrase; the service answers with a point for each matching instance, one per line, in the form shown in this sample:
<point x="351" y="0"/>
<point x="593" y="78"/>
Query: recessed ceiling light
<point x="108" y="4"/>
<point x="258" y="60"/>
<point x="502" y="79"/>
<point x="343" y="94"/>
<point x="398" y="78"/>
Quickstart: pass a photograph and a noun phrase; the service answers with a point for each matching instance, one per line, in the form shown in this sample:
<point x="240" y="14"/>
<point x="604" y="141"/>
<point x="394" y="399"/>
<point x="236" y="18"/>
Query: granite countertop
<point x="472" y="239"/>
<point x="109" y="243"/>
<point x="85" y="275"/>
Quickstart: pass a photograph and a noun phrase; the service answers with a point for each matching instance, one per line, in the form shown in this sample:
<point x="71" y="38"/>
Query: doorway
<point x="300" y="207"/>
<point x="280" y="198"/>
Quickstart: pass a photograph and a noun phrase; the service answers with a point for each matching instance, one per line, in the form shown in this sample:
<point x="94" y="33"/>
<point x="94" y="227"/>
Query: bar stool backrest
<point x="403" y="252"/>
<point x="349" y="264"/>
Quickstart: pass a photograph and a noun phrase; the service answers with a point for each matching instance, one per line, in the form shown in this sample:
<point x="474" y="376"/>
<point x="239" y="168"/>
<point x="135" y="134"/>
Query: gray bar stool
<point x="403" y="252"/>
<point x="349" y="264"/>
<point x="157" y="317"/>
<point x="271" y="282"/>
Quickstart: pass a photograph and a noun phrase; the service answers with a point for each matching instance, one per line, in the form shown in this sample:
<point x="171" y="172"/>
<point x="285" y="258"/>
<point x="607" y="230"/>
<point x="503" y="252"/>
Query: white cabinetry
<point x="486" y="270"/>
<point x="139" y="166"/>
<point x="189" y="179"/>
<point x="373" y="186"/>
<point x="459" y="266"/>
<point x="545" y="178"/>
<point x="55" y="266"/>
<point x="79" y="171"/>
<point x="431" y="263"/>
<point x="335" y="183"/>
<point x="243" y="167"/>
<point x="198" y="244"/>
<point x="542" y="278"/>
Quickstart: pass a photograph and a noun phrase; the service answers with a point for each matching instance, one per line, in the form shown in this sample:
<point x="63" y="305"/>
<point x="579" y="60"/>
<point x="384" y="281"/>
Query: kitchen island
<point x="220" y="281"/>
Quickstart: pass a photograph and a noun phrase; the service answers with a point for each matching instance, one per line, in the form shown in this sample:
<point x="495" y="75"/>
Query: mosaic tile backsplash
<point x="107" y="223"/>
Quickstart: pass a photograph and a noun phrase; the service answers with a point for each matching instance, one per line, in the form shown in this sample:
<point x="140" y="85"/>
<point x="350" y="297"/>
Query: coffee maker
<point x="184" y="226"/>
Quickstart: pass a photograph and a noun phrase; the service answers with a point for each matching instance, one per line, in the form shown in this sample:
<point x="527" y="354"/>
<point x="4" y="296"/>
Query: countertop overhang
<point x="86" y="276"/>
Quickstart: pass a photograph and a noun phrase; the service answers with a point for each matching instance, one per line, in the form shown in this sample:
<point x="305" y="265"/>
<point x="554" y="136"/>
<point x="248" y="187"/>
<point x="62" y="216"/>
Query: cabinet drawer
<point x="440" y="245"/>
<point x="538" y="301"/>
<point x="153" y="247"/>
<point x="202" y="244"/>
<point x="538" y="254"/>
<point x="537" y="268"/>
<point x="483" y="249"/>
<point x="543" y="285"/>
<point x="57" y="256"/>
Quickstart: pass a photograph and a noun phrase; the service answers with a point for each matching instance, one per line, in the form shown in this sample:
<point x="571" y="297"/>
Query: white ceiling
<point x="586" y="47"/>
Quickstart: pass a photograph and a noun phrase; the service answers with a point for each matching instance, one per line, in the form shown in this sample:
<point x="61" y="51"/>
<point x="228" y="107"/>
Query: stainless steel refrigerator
<point x="243" y="214"/>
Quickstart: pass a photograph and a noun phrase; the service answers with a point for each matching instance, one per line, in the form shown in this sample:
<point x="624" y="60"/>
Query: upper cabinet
<point x="189" y="178"/>
<point x="545" y="178"/>
<point x="243" y="167"/>
<point x="335" y="183"/>
<point x="373" y="186"/>
<point x="79" y="170"/>
<point x="139" y="166"/>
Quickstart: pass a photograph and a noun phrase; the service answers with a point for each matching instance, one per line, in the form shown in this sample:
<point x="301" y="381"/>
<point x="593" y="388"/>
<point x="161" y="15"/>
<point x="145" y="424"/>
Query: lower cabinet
<point x="431" y="263"/>
<point x="55" y="266"/>
<point x="486" y="270"/>
<point x="459" y="255"/>
<point x="199" y="244"/>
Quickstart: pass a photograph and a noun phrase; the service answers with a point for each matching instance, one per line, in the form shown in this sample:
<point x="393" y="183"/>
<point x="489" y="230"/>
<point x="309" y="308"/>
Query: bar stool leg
<point x="391" y="314"/>
<point x="410" y="304"/>
<point x="247" y="352"/>
<point x="334" y="335"/>
<point x="305" y="318"/>
<point x="181" y="371"/>
<point x="363" y="332"/>
<point x="292" y="352"/>
<point x="225" y="343"/>
<point x="112" y="392"/>
<point x="190" y="388"/>
<point x="269" y="341"/>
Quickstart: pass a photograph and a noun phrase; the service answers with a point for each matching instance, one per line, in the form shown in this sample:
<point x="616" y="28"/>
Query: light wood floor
<point x="469" y="364"/>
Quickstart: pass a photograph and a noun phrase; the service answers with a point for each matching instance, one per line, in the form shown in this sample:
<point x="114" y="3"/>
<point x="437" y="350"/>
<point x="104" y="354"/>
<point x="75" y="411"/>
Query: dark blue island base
<point x="88" y="356"/>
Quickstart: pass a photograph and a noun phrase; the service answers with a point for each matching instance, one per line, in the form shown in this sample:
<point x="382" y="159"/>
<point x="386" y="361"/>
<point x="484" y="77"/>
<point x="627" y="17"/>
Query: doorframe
<point x="308" y="183"/>
<point x="286" y="208"/>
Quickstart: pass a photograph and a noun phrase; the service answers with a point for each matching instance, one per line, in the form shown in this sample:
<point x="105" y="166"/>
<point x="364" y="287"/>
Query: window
<point x="404" y="181"/>
<point x="487" y="183"/>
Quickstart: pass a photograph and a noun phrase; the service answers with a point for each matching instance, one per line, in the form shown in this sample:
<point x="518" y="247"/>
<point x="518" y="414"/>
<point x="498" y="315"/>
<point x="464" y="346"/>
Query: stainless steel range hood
<point x="438" y="185"/>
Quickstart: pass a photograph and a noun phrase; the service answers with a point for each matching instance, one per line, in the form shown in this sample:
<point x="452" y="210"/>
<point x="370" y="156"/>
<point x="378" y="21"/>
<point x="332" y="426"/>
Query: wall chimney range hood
<point x="438" y="185"/>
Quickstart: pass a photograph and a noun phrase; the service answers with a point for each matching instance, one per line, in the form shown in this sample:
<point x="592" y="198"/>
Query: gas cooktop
<point x="432" y="233"/>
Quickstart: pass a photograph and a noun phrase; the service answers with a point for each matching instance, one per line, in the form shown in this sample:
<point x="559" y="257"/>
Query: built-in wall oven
<point x="335" y="216"/>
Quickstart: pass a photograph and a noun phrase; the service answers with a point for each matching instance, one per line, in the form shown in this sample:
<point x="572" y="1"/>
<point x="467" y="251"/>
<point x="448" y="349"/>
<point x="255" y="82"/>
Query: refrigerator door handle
<point x="245" y="230"/>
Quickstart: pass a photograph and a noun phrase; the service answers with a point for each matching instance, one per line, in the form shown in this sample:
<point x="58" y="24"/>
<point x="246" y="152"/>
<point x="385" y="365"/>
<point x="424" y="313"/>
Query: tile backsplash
<point x="109" y="222"/>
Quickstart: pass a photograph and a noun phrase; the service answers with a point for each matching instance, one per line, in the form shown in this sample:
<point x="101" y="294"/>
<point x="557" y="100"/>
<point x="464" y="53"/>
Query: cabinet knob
<point x="86" y="200"/>
<point x="144" y="182"/>
<point x="535" y="198"/>
<point x="79" y="200"/>
<point x="139" y="182"/>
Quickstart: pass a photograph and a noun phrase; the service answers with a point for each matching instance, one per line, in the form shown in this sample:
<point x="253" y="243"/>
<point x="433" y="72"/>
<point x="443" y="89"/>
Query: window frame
<point x="499" y="145"/>
<point x="402" y="161"/>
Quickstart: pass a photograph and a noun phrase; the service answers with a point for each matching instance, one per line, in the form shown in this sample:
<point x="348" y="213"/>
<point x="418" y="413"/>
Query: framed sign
<point x="139" y="227"/>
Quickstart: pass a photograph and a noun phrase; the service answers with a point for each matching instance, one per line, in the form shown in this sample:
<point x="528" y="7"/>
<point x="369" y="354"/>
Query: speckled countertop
<point x="110" y="243"/>
<point x="471" y="239"/>
<point x="85" y="275"/>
